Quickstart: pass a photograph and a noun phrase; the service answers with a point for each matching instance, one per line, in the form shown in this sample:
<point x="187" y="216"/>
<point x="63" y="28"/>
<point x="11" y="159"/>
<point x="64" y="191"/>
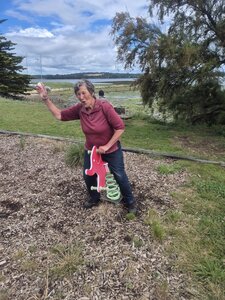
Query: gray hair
<point x="90" y="87"/>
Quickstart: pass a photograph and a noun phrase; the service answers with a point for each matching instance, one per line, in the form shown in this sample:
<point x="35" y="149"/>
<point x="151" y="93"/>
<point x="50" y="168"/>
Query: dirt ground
<point x="52" y="248"/>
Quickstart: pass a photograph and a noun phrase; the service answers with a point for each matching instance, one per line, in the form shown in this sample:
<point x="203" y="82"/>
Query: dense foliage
<point x="182" y="66"/>
<point x="12" y="82"/>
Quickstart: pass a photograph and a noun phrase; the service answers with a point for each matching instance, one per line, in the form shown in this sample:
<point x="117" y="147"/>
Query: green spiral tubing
<point x="112" y="188"/>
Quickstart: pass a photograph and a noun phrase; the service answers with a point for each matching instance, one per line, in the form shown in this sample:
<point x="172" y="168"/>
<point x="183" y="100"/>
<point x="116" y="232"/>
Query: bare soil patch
<point x="41" y="212"/>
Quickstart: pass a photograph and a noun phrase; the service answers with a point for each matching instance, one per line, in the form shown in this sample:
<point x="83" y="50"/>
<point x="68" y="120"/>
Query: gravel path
<point x="51" y="248"/>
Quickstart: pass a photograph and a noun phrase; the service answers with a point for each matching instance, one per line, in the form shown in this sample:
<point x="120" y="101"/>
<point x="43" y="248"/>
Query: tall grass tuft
<point x="155" y="224"/>
<point x="68" y="259"/>
<point x="74" y="155"/>
<point x="22" y="142"/>
<point x="210" y="269"/>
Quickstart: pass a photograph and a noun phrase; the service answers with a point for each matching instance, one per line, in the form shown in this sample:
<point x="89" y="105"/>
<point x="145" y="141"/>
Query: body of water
<point x="93" y="80"/>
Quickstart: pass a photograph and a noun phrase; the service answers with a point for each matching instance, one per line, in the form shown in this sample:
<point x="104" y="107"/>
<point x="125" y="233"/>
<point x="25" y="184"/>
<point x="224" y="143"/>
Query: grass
<point x="22" y="142"/>
<point x="137" y="242"/>
<point x="157" y="229"/>
<point x="58" y="85"/>
<point x="174" y="138"/>
<point x="194" y="229"/>
<point x="169" y="169"/>
<point x="198" y="228"/>
<point x="74" y="155"/>
<point x="67" y="260"/>
<point x="33" y="117"/>
<point x="130" y="216"/>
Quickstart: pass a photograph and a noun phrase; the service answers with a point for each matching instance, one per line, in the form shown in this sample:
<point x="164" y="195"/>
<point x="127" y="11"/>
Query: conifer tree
<point x="12" y="81"/>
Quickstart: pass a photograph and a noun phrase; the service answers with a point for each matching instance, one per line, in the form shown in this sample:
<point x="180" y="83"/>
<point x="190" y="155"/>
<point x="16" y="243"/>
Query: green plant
<point x="29" y="265"/>
<point x="59" y="147"/>
<point x="219" y="129"/>
<point x="211" y="187"/>
<point x="173" y="216"/>
<point x="12" y="80"/>
<point x="158" y="230"/>
<point x="67" y="260"/>
<point x="22" y="142"/>
<point x="137" y="242"/>
<point x="19" y="254"/>
<point x="32" y="248"/>
<point x="74" y="155"/>
<point x="167" y="169"/>
<point x="155" y="224"/>
<point x="200" y="242"/>
<point x="129" y="285"/>
<point x="130" y="216"/>
<point x="210" y="269"/>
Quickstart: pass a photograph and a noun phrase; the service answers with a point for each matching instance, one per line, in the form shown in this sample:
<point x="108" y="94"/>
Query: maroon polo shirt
<point x="98" y="124"/>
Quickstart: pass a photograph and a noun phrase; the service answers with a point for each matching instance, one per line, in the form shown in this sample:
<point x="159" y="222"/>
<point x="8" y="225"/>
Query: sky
<point x="66" y="36"/>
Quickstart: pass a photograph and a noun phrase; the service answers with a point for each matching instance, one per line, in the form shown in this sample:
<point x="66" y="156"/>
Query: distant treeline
<point x="88" y="75"/>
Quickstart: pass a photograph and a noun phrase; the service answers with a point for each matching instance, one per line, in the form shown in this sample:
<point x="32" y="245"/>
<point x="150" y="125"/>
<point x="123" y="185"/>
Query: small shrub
<point x="219" y="129"/>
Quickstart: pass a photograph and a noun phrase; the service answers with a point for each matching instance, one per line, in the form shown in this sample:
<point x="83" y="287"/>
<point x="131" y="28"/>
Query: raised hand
<point x="42" y="91"/>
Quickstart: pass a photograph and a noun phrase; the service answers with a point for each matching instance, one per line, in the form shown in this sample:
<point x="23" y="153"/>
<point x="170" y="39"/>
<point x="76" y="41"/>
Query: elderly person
<point x="102" y="128"/>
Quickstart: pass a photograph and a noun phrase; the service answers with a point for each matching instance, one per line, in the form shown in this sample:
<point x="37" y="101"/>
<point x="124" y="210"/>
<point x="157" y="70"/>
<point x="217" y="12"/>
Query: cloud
<point x="67" y="36"/>
<point x="32" y="32"/>
<point x="18" y="15"/>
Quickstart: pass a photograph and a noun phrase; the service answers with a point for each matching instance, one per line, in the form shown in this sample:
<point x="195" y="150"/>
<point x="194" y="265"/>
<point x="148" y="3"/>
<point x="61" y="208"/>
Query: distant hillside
<point x="88" y="75"/>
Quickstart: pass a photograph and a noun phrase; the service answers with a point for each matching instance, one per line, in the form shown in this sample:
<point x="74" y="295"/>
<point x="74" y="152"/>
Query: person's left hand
<point x="102" y="149"/>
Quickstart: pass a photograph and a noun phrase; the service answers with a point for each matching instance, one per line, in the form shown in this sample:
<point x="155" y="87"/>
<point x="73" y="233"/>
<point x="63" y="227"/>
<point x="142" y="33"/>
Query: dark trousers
<point x="116" y="165"/>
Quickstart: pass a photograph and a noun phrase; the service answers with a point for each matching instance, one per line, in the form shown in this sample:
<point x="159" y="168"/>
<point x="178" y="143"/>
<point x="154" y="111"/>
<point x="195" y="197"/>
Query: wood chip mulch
<point x="52" y="248"/>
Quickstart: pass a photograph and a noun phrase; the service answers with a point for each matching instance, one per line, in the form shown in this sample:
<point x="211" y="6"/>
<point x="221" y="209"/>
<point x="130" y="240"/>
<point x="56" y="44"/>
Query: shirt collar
<point x="96" y="107"/>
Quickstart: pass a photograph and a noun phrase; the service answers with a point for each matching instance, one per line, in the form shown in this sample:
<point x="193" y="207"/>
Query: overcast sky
<point x="66" y="36"/>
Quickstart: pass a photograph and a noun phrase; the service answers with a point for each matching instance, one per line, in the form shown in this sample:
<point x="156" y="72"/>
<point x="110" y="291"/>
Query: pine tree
<point x="12" y="81"/>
